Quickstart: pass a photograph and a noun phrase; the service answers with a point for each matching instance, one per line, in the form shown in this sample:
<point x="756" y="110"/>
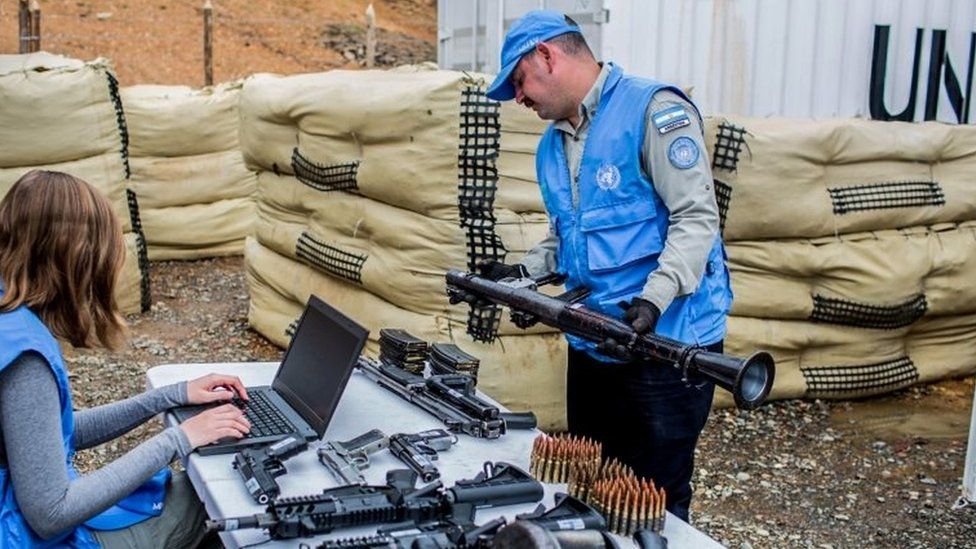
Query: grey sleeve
<point x="541" y="258"/>
<point x="688" y="195"/>
<point x="31" y="428"/>
<point x="103" y="423"/>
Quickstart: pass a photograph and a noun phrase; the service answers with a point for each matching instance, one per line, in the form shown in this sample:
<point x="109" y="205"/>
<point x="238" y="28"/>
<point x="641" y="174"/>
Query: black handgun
<point x="260" y="466"/>
<point x="419" y="451"/>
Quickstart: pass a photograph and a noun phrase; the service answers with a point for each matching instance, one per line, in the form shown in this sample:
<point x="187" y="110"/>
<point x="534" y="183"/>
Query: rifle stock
<point x="749" y="380"/>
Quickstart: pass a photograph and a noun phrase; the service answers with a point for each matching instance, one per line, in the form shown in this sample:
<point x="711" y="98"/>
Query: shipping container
<point x="881" y="59"/>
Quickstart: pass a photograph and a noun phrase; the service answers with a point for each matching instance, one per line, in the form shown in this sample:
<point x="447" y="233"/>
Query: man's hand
<point x="614" y="349"/>
<point x="496" y="270"/>
<point x="641" y="314"/>
<point x="214" y="388"/>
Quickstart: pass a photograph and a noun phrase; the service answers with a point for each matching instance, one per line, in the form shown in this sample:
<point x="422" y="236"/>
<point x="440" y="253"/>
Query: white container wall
<point x="883" y="59"/>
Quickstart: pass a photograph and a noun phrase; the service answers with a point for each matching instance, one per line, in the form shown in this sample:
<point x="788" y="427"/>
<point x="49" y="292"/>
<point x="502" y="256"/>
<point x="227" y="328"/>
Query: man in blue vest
<point x="626" y="181"/>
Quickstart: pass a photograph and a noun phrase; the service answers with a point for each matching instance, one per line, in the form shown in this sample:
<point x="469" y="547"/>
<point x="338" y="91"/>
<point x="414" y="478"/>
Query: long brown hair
<point x="61" y="251"/>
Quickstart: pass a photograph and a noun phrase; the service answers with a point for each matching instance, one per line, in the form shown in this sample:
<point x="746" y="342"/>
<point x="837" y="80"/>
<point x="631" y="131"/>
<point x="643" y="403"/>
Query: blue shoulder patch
<point x="683" y="153"/>
<point x="670" y="118"/>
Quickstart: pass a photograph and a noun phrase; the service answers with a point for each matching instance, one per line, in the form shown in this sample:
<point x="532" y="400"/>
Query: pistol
<point x="346" y="459"/>
<point x="260" y="466"/>
<point x="418" y="451"/>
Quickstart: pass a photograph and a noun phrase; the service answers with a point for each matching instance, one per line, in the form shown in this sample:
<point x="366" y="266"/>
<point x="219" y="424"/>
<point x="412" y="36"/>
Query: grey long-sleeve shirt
<point x="30" y="446"/>
<point x="687" y="193"/>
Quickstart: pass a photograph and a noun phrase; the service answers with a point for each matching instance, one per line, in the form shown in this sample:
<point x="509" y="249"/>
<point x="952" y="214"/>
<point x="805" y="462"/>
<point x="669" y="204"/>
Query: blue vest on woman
<point x="611" y="242"/>
<point x="22" y="331"/>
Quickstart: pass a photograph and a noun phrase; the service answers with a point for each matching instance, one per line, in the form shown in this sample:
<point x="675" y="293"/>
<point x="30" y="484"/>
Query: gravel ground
<point x="876" y="472"/>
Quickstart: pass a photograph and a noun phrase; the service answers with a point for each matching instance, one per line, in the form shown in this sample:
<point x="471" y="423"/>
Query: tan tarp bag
<point x="522" y="372"/>
<point x="877" y="280"/>
<point x="105" y="172"/>
<point x="56" y="109"/>
<point x="802" y="178"/>
<point x="394" y="253"/>
<point x="521" y="131"/>
<point x="164" y="182"/>
<point x="175" y="121"/>
<point x="133" y="282"/>
<point x="819" y="360"/>
<point x="194" y="191"/>
<point x="199" y="230"/>
<point x="393" y="136"/>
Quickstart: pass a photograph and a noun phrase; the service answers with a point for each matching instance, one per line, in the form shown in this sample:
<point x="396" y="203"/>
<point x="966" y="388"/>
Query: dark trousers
<point x="645" y="416"/>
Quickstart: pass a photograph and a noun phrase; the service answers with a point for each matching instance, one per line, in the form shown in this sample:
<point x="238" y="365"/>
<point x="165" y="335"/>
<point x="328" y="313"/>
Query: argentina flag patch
<point x="670" y="118"/>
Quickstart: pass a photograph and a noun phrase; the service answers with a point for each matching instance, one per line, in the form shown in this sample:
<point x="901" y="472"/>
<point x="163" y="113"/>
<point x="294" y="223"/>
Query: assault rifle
<point x="396" y="502"/>
<point x="449" y="397"/>
<point x="569" y="520"/>
<point x="749" y="380"/>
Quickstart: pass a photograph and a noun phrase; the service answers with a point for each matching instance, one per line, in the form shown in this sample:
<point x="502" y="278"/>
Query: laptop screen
<point x="318" y="362"/>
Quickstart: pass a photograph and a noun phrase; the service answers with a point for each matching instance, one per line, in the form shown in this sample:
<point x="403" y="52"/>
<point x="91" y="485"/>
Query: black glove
<point x="641" y="314"/>
<point x="613" y="349"/>
<point x="523" y="319"/>
<point x="496" y="270"/>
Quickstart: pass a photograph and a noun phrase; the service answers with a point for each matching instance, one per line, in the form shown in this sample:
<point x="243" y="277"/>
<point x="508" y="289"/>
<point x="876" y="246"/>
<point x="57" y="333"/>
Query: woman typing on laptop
<point x="61" y="250"/>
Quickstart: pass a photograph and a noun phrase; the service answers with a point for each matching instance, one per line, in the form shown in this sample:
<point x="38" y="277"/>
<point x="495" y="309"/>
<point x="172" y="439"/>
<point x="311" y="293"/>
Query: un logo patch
<point x="608" y="177"/>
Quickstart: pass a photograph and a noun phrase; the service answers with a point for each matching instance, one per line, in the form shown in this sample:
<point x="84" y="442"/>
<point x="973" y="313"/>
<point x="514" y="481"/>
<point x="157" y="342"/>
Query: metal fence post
<point x="23" y="27"/>
<point x="207" y="43"/>
<point x="370" y="36"/>
<point x="969" y="473"/>
<point x="35" y="25"/>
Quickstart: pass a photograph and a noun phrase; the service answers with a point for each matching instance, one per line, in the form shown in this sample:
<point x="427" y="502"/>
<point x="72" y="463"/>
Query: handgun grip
<point x="519" y="420"/>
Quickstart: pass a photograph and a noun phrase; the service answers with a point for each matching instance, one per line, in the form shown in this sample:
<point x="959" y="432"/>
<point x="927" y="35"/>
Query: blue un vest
<point x="21" y="331"/>
<point x="612" y="241"/>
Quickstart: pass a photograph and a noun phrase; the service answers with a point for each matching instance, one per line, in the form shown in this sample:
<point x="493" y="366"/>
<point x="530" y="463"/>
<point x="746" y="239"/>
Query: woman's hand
<point x="214" y="388"/>
<point x="214" y="424"/>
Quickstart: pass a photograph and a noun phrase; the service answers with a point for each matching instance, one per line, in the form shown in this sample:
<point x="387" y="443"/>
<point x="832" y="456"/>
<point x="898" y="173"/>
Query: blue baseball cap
<point x="145" y="502"/>
<point x="534" y="27"/>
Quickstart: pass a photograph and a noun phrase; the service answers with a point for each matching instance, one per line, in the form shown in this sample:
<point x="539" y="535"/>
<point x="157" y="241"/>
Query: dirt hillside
<point x="161" y="42"/>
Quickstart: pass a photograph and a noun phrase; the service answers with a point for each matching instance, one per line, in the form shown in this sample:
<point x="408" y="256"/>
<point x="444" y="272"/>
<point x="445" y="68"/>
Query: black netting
<point x="480" y="132"/>
<point x="483" y="322"/>
<point x="866" y="379"/>
<point x="113" y="91"/>
<point x="477" y="184"/>
<point x="480" y="125"/>
<point x="883" y="196"/>
<point x="723" y="197"/>
<point x="291" y="329"/>
<point x="142" y="251"/>
<point x="863" y="315"/>
<point x="483" y="243"/>
<point x="334" y="177"/>
<point x="330" y="259"/>
<point x="728" y="145"/>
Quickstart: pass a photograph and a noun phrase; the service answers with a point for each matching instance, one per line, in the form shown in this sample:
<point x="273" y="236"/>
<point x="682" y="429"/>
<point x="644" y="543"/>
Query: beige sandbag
<point x="878" y="280"/>
<point x="105" y="172"/>
<point x="800" y="178"/>
<point x="181" y="181"/>
<point x="198" y="230"/>
<point x="174" y="121"/>
<point x="133" y="282"/>
<point x="827" y="361"/>
<point x="395" y="253"/>
<point x="56" y="109"/>
<point x="395" y="136"/>
<point x="522" y="372"/>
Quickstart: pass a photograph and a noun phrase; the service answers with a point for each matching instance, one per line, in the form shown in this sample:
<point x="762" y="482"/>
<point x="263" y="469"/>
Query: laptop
<point x="307" y="386"/>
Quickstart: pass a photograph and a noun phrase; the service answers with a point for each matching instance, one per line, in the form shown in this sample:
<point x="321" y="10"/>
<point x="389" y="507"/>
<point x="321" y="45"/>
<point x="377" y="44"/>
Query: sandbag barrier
<point x="852" y="249"/>
<point x="187" y="170"/>
<point x="65" y="115"/>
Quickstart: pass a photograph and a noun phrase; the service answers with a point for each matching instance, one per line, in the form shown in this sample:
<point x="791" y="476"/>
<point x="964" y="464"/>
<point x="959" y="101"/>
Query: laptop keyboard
<point x="265" y="419"/>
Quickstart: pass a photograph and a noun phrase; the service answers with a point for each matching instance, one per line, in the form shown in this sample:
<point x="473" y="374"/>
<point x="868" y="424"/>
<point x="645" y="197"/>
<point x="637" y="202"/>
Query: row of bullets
<point x="626" y="502"/>
<point x="629" y="504"/>
<point x="554" y="456"/>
